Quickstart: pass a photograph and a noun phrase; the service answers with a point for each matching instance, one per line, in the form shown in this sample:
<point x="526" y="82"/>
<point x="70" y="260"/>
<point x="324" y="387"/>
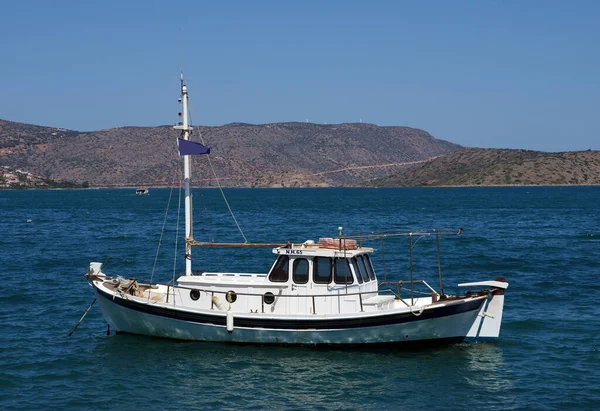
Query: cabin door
<point x="322" y="270"/>
<point x="300" y="301"/>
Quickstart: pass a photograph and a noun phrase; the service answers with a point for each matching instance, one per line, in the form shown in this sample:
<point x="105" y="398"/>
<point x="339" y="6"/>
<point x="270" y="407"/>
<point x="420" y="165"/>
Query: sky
<point x="484" y="73"/>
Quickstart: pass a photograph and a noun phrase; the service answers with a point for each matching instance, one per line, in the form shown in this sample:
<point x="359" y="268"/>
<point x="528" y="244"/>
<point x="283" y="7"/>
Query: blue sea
<point x="544" y="240"/>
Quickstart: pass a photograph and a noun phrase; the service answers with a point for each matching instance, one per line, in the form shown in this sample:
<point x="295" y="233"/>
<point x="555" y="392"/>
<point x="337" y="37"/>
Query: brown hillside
<point x="491" y="167"/>
<point x="243" y="155"/>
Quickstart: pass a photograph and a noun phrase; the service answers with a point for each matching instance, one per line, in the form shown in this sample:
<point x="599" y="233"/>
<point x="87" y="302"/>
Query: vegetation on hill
<point x="242" y="155"/>
<point x="281" y="155"/>
<point x="493" y="167"/>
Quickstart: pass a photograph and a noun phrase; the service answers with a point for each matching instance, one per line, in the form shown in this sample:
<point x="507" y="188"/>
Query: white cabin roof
<point x="311" y="248"/>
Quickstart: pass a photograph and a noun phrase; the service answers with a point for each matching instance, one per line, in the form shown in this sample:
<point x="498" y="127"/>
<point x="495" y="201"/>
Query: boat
<point x="324" y="292"/>
<point x="142" y="191"/>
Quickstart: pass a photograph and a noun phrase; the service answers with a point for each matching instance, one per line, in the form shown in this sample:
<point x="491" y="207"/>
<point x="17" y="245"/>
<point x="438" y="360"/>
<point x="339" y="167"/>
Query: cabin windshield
<point x="363" y="267"/>
<point x="325" y="270"/>
<point x="369" y="267"/>
<point x="322" y="270"/>
<point x="300" y="273"/>
<point x="280" y="272"/>
<point x="342" y="273"/>
<point x="359" y="270"/>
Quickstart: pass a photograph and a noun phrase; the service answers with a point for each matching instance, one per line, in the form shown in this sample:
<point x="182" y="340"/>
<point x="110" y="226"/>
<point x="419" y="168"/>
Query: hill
<point x="493" y="167"/>
<point x="243" y="155"/>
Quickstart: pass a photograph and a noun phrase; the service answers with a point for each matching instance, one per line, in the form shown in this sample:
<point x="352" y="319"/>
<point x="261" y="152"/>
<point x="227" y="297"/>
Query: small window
<point x="369" y="266"/>
<point x="322" y="270"/>
<point x="357" y="273"/>
<point x="300" y="274"/>
<point x="359" y="269"/>
<point x="280" y="272"/>
<point x="364" y="267"/>
<point x="342" y="273"/>
<point x="269" y="297"/>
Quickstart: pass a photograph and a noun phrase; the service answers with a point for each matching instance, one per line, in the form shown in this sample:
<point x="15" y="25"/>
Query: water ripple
<point x="543" y="242"/>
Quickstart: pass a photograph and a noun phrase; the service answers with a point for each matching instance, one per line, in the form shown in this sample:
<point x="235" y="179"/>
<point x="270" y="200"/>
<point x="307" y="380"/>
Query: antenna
<point x="181" y="57"/>
<point x="181" y="51"/>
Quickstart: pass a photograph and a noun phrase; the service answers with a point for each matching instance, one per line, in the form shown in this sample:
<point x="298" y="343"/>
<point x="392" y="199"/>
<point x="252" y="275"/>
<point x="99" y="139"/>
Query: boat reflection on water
<point x="254" y="376"/>
<point x="487" y="372"/>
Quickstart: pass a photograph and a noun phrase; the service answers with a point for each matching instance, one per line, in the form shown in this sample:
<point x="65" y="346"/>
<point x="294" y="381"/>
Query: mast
<point x="186" y="130"/>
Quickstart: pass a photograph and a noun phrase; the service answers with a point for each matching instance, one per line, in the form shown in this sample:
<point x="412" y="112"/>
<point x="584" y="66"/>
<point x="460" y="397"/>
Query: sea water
<point x="544" y="240"/>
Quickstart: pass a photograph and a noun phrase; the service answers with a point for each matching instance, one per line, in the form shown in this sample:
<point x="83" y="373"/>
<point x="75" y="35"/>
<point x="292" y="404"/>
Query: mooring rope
<point x="417" y="313"/>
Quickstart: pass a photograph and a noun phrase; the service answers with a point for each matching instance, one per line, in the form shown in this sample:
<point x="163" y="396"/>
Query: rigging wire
<point x="209" y="230"/>
<point x="162" y="231"/>
<point x="177" y="227"/>
<point x="218" y="181"/>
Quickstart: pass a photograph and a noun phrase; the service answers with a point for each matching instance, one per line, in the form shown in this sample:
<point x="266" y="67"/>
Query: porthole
<point x="231" y="296"/>
<point x="269" y="298"/>
<point x="194" y="295"/>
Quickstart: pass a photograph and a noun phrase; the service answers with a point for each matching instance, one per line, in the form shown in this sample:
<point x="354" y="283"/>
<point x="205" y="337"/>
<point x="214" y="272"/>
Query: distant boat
<point x="323" y="292"/>
<point x="141" y="191"/>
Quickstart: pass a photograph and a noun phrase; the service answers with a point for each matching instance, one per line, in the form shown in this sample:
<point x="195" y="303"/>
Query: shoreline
<point x="304" y="187"/>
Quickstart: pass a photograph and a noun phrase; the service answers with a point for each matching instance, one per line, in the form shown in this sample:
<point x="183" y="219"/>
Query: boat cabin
<point x="319" y="264"/>
<point x="305" y="278"/>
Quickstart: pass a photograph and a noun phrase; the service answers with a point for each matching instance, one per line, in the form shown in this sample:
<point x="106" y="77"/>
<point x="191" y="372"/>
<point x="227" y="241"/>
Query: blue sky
<point x="502" y="74"/>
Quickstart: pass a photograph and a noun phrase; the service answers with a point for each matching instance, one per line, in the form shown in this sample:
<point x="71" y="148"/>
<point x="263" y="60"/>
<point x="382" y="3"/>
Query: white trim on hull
<point x="446" y="328"/>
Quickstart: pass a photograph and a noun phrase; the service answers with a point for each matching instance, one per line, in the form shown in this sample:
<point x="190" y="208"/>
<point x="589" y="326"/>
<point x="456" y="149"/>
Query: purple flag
<point x="191" y="148"/>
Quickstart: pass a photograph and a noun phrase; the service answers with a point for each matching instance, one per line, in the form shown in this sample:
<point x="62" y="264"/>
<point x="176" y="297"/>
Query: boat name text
<point x="293" y="251"/>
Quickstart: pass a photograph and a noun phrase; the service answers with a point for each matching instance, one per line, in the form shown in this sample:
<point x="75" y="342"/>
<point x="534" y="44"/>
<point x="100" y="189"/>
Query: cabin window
<point x="358" y="276"/>
<point x="280" y="272"/>
<point x="342" y="273"/>
<point x="369" y="266"/>
<point x="365" y="270"/>
<point x="357" y="273"/>
<point x="359" y="270"/>
<point x="322" y="270"/>
<point x="300" y="273"/>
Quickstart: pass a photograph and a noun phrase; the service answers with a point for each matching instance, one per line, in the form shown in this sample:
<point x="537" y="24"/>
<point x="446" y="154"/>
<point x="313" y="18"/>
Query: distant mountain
<point x="242" y="155"/>
<point x="492" y="167"/>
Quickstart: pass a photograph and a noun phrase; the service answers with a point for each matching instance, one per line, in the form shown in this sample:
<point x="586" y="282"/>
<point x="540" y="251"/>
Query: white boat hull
<point x="436" y="324"/>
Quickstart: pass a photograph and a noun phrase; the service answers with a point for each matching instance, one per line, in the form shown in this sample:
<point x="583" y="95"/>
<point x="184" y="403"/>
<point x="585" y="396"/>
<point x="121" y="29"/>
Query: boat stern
<point x="486" y="327"/>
